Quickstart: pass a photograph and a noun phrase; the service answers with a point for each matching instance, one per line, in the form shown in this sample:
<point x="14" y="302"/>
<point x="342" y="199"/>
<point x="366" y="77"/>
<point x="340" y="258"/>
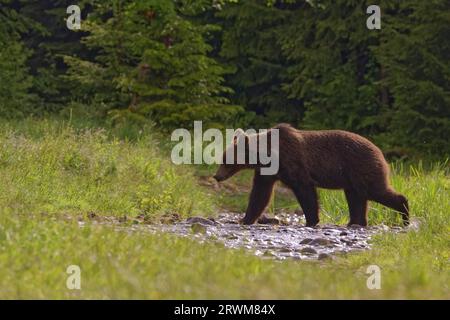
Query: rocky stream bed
<point x="284" y="237"/>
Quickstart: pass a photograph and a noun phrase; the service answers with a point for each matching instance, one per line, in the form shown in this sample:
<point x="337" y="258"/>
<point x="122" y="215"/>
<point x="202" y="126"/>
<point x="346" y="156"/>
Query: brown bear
<point x="330" y="159"/>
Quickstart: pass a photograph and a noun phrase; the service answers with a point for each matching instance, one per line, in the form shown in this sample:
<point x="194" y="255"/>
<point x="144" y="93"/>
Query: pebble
<point x="198" y="228"/>
<point x="308" y="250"/>
<point x="320" y="242"/>
<point x="201" y="220"/>
<point x="306" y="241"/>
<point x="324" y="256"/>
<point x="356" y="226"/>
<point x="292" y="241"/>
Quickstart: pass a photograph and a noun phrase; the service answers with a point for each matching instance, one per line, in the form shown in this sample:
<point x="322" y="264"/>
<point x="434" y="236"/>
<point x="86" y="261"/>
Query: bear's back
<point x="328" y="143"/>
<point x="330" y="157"/>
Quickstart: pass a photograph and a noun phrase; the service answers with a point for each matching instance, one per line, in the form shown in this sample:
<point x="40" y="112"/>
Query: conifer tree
<point x="414" y="51"/>
<point x="15" y="80"/>
<point x="251" y="45"/>
<point x="152" y="61"/>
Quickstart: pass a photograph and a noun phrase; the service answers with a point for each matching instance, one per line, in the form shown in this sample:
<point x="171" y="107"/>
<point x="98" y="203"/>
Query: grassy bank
<point x="49" y="171"/>
<point x="52" y="167"/>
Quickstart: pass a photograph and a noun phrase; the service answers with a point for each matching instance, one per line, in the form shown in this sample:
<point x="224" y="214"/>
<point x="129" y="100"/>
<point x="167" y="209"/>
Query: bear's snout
<point x="218" y="178"/>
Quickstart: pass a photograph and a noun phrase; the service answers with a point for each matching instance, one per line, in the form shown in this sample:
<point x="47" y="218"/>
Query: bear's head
<point x="248" y="151"/>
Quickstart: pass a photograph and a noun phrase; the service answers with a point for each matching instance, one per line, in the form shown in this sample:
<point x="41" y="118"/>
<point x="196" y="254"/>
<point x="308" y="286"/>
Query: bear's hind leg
<point x="394" y="200"/>
<point x="357" y="206"/>
<point x="307" y="197"/>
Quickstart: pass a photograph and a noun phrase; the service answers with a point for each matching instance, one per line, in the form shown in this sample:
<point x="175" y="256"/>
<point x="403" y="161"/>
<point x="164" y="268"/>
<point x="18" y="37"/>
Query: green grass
<point x="55" y="168"/>
<point x="53" y="174"/>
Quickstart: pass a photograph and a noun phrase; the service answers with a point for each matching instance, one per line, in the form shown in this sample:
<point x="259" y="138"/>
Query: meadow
<point x="57" y="173"/>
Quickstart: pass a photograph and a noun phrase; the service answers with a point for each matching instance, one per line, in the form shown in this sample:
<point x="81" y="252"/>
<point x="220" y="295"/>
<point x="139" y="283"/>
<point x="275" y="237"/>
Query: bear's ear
<point x="237" y="135"/>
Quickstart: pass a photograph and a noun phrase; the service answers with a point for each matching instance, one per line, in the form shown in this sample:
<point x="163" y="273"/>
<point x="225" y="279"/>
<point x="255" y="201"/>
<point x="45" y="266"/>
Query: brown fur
<point x="330" y="159"/>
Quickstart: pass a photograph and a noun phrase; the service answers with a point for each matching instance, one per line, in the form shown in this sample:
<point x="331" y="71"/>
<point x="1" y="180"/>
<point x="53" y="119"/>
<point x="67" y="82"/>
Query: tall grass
<point x="54" y="168"/>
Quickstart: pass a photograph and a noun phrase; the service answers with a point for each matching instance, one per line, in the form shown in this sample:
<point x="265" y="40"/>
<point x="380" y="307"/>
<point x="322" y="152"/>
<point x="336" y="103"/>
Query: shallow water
<point x="289" y="239"/>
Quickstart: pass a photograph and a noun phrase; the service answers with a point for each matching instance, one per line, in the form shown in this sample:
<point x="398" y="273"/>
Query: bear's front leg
<point x="259" y="197"/>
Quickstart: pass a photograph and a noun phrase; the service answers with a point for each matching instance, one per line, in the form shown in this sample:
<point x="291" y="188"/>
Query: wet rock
<point x="200" y="220"/>
<point x="356" y="226"/>
<point x="343" y="233"/>
<point x="324" y="256"/>
<point x="170" y="218"/>
<point x="306" y="241"/>
<point x="230" y="222"/>
<point x="268" y="220"/>
<point x="198" y="228"/>
<point x="308" y="250"/>
<point x="320" y="242"/>
<point x="268" y="253"/>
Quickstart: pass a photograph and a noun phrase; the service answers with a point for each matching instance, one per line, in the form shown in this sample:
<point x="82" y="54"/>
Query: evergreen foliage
<point x="15" y="80"/>
<point x="228" y="62"/>
<point x="153" y="61"/>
